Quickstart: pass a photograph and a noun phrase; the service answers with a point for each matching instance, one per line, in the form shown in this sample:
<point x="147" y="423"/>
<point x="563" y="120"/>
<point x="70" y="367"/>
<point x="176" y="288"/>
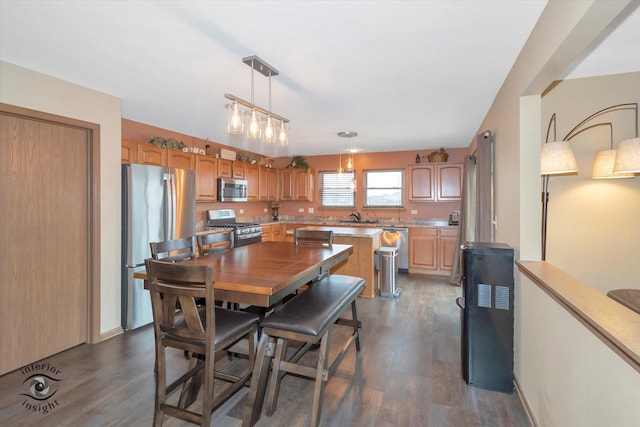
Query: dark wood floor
<point x="408" y="374"/>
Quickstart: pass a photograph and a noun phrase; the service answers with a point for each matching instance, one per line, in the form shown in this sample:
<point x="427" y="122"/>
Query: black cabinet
<point x="487" y="316"/>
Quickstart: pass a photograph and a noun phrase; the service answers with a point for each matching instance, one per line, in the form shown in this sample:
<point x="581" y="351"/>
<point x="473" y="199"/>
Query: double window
<point x="383" y="188"/>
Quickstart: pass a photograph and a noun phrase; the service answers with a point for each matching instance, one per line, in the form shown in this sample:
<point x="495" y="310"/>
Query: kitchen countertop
<point x="344" y="231"/>
<point x="422" y="224"/>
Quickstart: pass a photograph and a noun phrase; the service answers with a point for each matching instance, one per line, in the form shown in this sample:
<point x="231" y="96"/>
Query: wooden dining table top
<point x="263" y="273"/>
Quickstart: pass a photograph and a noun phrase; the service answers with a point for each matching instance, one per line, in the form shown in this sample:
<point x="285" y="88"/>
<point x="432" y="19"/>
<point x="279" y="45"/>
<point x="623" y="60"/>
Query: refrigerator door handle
<point x="169" y="206"/>
<point x="134" y="265"/>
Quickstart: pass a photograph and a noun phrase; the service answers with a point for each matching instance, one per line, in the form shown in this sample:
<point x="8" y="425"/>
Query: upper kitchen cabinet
<point x="180" y="159"/>
<point x="434" y="182"/>
<point x="251" y="174"/>
<point x="129" y="152"/>
<point x="149" y="154"/>
<point x="225" y="168"/>
<point x="206" y="174"/>
<point x="239" y="169"/>
<point x="296" y="184"/>
<point x="267" y="184"/>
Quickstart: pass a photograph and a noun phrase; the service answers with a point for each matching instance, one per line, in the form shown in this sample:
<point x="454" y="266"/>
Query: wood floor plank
<point x="408" y="374"/>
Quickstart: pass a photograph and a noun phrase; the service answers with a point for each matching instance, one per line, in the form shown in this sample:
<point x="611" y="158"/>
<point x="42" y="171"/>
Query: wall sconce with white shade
<point x="557" y="157"/>
<point x="255" y="115"/>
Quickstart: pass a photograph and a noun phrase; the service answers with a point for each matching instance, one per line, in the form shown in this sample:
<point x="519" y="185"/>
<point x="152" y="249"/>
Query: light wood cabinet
<point x="432" y="250"/>
<point x="149" y="154"/>
<point x="129" y="152"/>
<point x="181" y="160"/>
<point x="239" y="169"/>
<point x="435" y="182"/>
<point x="272" y="232"/>
<point x="251" y="174"/>
<point x="423" y="248"/>
<point x="206" y="178"/>
<point x="267" y="184"/>
<point x="225" y="168"/>
<point x="297" y="184"/>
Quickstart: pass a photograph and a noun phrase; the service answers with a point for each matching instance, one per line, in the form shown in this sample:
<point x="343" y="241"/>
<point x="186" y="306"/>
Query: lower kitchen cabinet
<point x="431" y="250"/>
<point x="273" y="232"/>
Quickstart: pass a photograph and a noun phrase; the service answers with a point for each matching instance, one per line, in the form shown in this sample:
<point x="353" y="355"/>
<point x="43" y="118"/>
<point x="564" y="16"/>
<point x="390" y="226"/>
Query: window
<point x="336" y="190"/>
<point x="384" y="188"/>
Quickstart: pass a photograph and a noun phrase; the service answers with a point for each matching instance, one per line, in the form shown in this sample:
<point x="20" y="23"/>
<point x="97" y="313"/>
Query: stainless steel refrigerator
<point x="158" y="203"/>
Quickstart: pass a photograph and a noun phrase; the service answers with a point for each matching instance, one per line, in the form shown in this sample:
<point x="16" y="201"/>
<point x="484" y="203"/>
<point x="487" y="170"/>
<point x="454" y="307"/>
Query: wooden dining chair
<point x="313" y="237"/>
<point x="198" y="330"/>
<point x="215" y="242"/>
<point x="174" y="250"/>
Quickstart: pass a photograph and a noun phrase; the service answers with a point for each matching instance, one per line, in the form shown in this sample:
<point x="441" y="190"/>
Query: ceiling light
<point x="256" y="115"/>
<point x="349" y="134"/>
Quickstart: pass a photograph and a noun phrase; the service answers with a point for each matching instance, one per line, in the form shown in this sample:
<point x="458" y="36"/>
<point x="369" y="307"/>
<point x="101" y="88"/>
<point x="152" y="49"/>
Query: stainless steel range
<point x="243" y="233"/>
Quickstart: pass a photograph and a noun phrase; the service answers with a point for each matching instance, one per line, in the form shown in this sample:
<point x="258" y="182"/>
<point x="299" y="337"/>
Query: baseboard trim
<point x="527" y="408"/>
<point x="110" y="334"/>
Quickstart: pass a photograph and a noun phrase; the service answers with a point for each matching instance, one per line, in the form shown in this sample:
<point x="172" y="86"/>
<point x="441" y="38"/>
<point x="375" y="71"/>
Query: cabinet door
<point x="287" y="184"/>
<point x="129" y="153"/>
<point x="239" y="170"/>
<point x="449" y="178"/>
<point x="272" y="184"/>
<point x="181" y="160"/>
<point x="206" y="174"/>
<point x="423" y="248"/>
<point x="422" y="183"/>
<point x="447" y="249"/>
<point x="267" y="231"/>
<point x="225" y="168"/>
<point x="304" y="185"/>
<point x="251" y="175"/>
<point x="149" y="154"/>
<point x="263" y="195"/>
<point x="276" y="232"/>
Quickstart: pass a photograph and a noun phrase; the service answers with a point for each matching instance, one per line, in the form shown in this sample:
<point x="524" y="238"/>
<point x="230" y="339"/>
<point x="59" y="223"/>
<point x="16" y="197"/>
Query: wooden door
<point x="181" y="160"/>
<point x="149" y="154"/>
<point x="423" y="248"/>
<point x="253" y="182"/>
<point x="449" y="182"/>
<point x="206" y="174"/>
<point x="44" y="232"/>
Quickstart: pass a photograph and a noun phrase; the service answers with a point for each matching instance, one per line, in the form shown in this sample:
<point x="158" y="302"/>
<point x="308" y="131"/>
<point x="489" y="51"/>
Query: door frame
<point x="93" y="232"/>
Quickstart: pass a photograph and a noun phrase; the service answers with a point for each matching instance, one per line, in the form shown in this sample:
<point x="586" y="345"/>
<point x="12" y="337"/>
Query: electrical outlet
<point x="264" y="210"/>
<point x="414" y="212"/>
<point x="310" y="210"/>
<point x="301" y="210"/>
<point x="241" y="211"/>
<point x="456" y="212"/>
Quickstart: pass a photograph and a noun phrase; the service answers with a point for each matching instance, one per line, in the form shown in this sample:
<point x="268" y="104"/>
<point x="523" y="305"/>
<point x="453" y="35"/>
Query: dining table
<point x="264" y="273"/>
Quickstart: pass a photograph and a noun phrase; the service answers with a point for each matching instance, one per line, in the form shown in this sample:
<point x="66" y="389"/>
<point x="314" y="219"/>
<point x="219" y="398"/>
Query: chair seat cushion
<point x="229" y="323"/>
<point x="313" y="310"/>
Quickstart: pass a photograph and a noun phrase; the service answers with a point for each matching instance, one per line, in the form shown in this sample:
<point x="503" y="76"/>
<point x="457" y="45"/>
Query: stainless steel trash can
<point x="387" y="265"/>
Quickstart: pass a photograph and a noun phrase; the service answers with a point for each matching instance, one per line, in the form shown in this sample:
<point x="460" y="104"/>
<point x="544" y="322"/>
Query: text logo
<point x="39" y="387"/>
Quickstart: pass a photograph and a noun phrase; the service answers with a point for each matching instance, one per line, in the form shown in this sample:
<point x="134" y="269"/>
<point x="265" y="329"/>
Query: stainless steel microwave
<point x="232" y="190"/>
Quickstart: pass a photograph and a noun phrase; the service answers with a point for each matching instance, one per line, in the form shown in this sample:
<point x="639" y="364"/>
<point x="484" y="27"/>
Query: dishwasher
<point x="397" y="237"/>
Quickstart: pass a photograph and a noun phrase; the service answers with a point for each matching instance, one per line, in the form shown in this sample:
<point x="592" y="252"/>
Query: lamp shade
<point x="557" y="158"/>
<point x="603" y="166"/>
<point x="628" y="156"/>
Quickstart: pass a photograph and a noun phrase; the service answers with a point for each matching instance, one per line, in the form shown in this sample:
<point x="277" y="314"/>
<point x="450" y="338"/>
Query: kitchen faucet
<point x="356" y="216"/>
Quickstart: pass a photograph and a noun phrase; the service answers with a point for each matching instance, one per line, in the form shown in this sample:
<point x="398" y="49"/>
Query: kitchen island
<point x="364" y="241"/>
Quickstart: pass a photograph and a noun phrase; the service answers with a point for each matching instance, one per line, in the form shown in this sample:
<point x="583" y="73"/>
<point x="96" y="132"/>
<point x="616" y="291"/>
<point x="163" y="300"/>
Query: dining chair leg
<point x="191" y="387"/>
<point x="259" y="379"/>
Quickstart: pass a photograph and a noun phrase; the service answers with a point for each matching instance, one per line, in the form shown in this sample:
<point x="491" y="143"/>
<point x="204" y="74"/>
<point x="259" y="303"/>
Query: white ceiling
<point x="406" y="75"/>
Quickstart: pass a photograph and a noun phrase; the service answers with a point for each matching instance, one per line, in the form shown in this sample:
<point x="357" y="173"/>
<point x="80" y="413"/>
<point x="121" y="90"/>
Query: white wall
<point x="560" y="366"/>
<point x="594" y="225"/>
<point x="25" y="88"/>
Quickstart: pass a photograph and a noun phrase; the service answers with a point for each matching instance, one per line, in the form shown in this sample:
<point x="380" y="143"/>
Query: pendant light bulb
<point x="269" y="133"/>
<point x="283" y="138"/>
<point x="235" y="124"/>
<point x="254" y="129"/>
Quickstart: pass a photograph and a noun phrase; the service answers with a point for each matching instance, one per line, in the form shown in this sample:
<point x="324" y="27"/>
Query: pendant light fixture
<point x="350" y="166"/>
<point x="261" y="124"/>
